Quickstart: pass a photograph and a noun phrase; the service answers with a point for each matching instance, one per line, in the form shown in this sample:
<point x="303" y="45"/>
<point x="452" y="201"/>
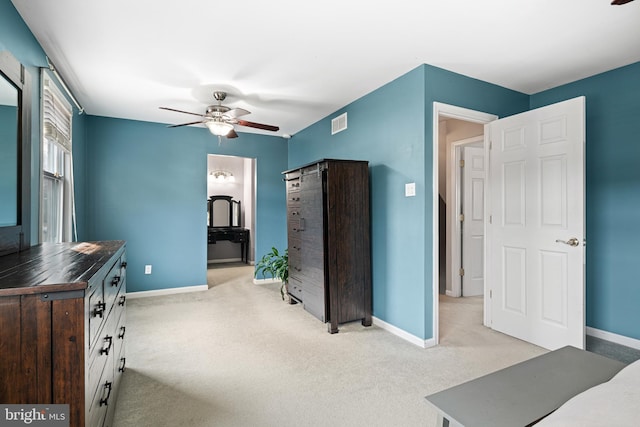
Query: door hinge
<point x="461" y="163"/>
<point x="462" y="272"/>
<point x="490" y="144"/>
<point x="461" y="217"/>
<point x="490" y="293"/>
<point x="490" y="219"/>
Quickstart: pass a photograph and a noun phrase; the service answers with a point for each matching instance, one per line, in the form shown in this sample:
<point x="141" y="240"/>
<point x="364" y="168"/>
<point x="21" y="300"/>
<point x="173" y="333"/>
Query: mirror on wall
<point x="235" y="213"/>
<point x="15" y="155"/>
<point x="9" y="178"/>
<point x="224" y="211"/>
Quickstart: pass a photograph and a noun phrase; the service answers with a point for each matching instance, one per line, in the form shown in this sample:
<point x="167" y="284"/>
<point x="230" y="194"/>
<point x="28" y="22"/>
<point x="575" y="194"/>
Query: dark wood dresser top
<point x="54" y="267"/>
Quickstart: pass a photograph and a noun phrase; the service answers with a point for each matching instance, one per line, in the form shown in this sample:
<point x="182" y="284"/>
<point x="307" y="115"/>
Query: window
<point x="57" y="170"/>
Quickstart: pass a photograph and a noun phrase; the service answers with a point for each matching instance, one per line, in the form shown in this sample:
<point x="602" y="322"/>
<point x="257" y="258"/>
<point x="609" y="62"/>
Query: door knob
<point x="571" y="242"/>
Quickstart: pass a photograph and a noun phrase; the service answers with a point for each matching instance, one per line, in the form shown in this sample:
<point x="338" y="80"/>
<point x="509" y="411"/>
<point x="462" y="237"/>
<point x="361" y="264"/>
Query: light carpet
<point x="237" y="355"/>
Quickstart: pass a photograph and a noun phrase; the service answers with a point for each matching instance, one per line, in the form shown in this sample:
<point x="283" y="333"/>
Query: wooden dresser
<point x="329" y="240"/>
<point x="62" y="328"/>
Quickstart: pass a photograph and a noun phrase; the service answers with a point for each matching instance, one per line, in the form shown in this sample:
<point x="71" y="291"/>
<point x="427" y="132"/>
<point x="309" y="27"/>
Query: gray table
<point x="524" y="393"/>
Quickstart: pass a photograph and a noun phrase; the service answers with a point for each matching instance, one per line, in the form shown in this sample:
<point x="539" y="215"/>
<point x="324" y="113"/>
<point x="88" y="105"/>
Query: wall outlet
<point x="147" y="269"/>
<point x="410" y="189"/>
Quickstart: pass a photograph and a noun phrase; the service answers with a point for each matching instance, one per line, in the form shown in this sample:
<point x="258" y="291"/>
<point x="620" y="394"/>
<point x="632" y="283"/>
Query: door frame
<point x="460" y="113"/>
<point x="455" y="194"/>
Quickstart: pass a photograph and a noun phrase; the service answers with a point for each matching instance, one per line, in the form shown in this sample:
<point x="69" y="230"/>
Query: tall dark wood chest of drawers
<point x="62" y="328"/>
<point x="328" y="223"/>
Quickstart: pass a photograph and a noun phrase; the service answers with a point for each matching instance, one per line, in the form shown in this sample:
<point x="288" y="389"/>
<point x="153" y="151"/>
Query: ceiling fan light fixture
<point x="219" y="128"/>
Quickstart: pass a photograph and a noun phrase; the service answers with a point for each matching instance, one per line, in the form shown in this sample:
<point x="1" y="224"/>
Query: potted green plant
<point x="276" y="265"/>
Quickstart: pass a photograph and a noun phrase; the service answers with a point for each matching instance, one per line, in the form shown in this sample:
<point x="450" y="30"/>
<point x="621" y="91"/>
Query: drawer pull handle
<point x="106" y="350"/>
<point x="123" y="360"/>
<point x="123" y="298"/>
<point x="123" y="264"/>
<point x="99" y="310"/>
<point x="115" y="281"/>
<point x="123" y="329"/>
<point x="108" y="385"/>
<point x="297" y="269"/>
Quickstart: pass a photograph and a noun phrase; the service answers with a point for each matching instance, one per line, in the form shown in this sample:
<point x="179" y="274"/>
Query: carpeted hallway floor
<point x="237" y="355"/>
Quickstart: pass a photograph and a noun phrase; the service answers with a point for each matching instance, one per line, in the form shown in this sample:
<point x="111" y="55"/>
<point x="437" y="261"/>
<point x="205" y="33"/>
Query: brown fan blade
<point x="185" y="124"/>
<point x="232" y="134"/>
<point x="237" y="112"/>
<point x="179" y="111"/>
<point x="620" y="2"/>
<point x="258" y="125"/>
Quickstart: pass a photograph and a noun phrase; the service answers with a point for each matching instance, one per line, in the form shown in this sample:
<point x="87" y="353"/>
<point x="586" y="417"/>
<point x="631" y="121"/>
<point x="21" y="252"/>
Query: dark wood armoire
<point x="329" y="240"/>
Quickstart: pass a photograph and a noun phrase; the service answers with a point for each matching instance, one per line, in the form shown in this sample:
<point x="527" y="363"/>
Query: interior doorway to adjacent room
<point x="459" y="161"/>
<point x="233" y="178"/>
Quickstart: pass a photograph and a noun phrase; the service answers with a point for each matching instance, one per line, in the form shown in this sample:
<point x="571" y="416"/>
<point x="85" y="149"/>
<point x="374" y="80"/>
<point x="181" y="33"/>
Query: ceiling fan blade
<point x="258" y="125"/>
<point x="620" y="2"/>
<point x="185" y="124"/>
<point x="232" y="134"/>
<point x="179" y="111"/>
<point x="237" y="112"/>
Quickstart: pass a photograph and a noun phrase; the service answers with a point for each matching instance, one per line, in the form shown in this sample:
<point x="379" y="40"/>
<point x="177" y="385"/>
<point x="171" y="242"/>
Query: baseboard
<point x="450" y="293"/>
<point x="610" y="336"/>
<point x="403" y="334"/>
<point x="265" y="281"/>
<point x="170" y="291"/>
<point x="223" y="261"/>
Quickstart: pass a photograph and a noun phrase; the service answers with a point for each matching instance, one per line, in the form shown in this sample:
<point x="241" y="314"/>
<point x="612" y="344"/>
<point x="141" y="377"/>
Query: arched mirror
<point x="15" y="159"/>
<point x="224" y="211"/>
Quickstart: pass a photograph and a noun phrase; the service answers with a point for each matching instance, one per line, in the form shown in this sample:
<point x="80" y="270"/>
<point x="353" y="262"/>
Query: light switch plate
<point x="410" y="189"/>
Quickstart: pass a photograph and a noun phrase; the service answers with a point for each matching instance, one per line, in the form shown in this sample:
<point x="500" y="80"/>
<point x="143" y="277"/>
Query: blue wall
<point x="386" y="128"/>
<point x="148" y="186"/>
<point x="612" y="195"/>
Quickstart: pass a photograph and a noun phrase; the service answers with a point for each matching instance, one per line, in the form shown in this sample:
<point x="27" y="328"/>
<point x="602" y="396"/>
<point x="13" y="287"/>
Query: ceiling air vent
<point x="339" y="123"/>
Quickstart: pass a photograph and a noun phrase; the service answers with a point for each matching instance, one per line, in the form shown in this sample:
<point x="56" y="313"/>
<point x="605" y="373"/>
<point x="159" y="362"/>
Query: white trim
<point x="222" y="261"/>
<point x="403" y="334"/>
<point x="610" y="336"/>
<point x="454" y="112"/>
<point x="170" y="291"/>
<point x="266" y="281"/>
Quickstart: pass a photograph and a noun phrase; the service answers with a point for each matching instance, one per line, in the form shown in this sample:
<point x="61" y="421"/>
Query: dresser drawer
<point x="120" y="335"/>
<point x="293" y="226"/>
<point x="112" y="283"/>
<point x="103" y="397"/>
<point x="294" y="288"/>
<point x="293" y="199"/>
<point x="97" y="312"/>
<point x="99" y="354"/>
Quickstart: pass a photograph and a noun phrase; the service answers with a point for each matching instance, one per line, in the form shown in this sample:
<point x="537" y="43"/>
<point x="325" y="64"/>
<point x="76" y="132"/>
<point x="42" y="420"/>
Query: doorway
<point x="231" y="179"/>
<point x="454" y="128"/>
<point x="535" y="257"/>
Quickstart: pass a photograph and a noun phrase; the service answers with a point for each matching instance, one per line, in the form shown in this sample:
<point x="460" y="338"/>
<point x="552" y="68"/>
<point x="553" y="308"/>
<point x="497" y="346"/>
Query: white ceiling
<point x="291" y="63"/>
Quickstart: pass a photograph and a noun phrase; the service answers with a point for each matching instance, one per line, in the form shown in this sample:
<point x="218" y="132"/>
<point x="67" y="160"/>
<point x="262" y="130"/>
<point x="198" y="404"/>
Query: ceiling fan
<point x="220" y="119"/>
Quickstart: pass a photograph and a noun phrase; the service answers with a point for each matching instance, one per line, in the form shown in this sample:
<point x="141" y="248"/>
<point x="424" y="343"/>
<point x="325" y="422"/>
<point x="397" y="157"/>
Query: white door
<point x="473" y="221"/>
<point x="535" y="251"/>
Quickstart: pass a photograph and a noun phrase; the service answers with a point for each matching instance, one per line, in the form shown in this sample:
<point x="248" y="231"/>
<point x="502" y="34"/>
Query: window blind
<point x="56" y="114"/>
